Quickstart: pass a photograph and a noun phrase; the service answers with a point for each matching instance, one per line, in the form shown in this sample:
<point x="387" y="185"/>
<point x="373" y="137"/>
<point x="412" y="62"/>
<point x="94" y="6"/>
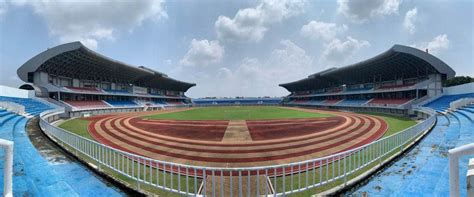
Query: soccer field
<point x="238" y="113"/>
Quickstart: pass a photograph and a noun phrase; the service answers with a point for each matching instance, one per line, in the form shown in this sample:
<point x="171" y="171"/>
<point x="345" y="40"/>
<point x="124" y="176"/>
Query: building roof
<point x="397" y="62"/>
<point x="74" y="60"/>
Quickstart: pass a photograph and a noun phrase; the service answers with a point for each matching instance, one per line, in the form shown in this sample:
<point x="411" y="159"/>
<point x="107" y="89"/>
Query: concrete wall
<point x="40" y="78"/>
<point x="434" y="85"/>
<point x="460" y="89"/>
<point x="75" y="82"/>
<point x="15" y="92"/>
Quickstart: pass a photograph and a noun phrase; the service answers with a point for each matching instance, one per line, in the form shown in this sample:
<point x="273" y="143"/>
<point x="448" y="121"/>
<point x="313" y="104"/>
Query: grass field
<point x="77" y="126"/>
<point x="237" y="113"/>
<point x="395" y="123"/>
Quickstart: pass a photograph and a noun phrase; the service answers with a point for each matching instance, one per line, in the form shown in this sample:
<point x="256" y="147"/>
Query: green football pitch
<point x="237" y="113"/>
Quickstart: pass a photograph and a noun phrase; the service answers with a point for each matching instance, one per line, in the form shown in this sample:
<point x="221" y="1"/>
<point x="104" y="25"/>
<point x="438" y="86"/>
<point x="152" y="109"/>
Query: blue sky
<point x="237" y="48"/>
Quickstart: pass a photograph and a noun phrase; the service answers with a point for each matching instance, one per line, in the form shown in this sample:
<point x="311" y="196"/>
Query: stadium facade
<point x="236" y="101"/>
<point x="74" y="76"/>
<point x="394" y="80"/>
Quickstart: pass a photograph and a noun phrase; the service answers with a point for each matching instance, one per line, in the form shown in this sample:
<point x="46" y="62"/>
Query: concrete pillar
<point x="75" y="82"/>
<point x="434" y="85"/>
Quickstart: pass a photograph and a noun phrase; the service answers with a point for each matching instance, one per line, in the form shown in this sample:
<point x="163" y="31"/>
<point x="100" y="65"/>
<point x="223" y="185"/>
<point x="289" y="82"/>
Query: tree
<point x="457" y="81"/>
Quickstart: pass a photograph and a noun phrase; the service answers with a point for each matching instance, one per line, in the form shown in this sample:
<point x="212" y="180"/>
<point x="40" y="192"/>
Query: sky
<point x="237" y="48"/>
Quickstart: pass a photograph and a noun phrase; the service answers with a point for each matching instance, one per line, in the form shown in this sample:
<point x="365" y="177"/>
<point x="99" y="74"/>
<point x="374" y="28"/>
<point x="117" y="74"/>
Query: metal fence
<point x="454" y="155"/>
<point x="13" y="107"/>
<point x="7" y="167"/>
<point x="275" y="180"/>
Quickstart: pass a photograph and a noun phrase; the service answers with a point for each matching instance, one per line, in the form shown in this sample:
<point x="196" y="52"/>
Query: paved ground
<point x="40" y="169"/>
<point x="237" y="131"/>
<point x="424" y="171"/>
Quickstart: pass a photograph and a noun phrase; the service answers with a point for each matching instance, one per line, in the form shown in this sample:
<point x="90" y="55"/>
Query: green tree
<point x="458" y="81"/>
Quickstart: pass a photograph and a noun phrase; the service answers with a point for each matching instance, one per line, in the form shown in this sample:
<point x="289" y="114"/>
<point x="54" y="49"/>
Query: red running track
<point x="170" y="141"/>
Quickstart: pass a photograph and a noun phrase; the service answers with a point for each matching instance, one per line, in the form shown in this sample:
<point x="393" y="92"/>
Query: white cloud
<point x="250" y="24"/>
<point x="335" y="50"/>
<point x="92" y="21"/>
<point x="203" y="53"/>
<point x="339" y="51"/>
<point x="252" y="76"/>
<point x="168" y="62"/>
<point x="289" y="57"/>
<point x="230" y="30"/>
<point x="285" y="64"/>
<point x="436" y="45"/>
<point x="362" y="10"/>
<point x="322" y="30"/>
<point x="409" y="21"/>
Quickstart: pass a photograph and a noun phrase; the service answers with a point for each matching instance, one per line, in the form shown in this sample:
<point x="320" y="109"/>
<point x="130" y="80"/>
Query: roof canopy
<point x="396" y="63"/>
<point x="74" y="60"/>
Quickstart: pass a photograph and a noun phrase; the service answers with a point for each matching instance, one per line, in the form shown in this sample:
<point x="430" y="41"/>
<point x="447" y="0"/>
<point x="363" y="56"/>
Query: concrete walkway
<point x="44" y="171"/>
<point x="237" y="131"/>
<point x="424" y="171"/>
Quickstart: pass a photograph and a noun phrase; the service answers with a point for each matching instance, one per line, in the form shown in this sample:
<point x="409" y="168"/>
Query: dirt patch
<point x="378" y="188"/>
<point x="44" y="146"/>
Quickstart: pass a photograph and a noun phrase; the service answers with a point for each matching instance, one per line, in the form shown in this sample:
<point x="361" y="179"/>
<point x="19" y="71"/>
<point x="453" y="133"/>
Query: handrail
<point x="13" y="107"/>
<point x="454" y="155"/>
<point x="347" y="162"/>
<point x="460" y="103"/>
<point x="8" y="167"/>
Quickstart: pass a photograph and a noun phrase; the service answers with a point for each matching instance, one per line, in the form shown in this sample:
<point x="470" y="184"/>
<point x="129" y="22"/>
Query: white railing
<point x="470" y="178"/>
<point x="428" y="100"/>
<point x="8" y="167"/>
<point x="454" y="155"/>
<point x="13" y="107"/>
<point x="460" y="103"/>
<point x="277" y="180"/>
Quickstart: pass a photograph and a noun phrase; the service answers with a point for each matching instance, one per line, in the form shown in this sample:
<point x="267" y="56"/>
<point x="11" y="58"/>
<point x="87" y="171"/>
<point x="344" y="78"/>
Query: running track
<point x="273" y="141"/>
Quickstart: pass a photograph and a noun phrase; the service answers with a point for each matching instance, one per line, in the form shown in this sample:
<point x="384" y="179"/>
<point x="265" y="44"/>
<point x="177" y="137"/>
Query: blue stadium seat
<point x="32" y="106"/>
<point x="241" y="101"/>
<point x="118" y="91"/>
<point x="355" y="102"/>
<point x="36" y="175"/>
<point x="116" y="103"/>
<point x="442" y="103"/>
<point x="160" y="102"/>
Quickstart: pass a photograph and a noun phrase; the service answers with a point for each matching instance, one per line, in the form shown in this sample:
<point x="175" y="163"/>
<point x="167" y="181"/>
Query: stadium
<point x="335" y="128"/>
<point x="283" y="99"/>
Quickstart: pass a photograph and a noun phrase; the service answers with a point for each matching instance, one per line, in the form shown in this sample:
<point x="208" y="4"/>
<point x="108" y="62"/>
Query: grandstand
<point x="81" y="79"/>
<point x="394" y="80"/>
<point x="236" y="101"/>
<point x="428" y="161"/>
<point x="35" y="171"/>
